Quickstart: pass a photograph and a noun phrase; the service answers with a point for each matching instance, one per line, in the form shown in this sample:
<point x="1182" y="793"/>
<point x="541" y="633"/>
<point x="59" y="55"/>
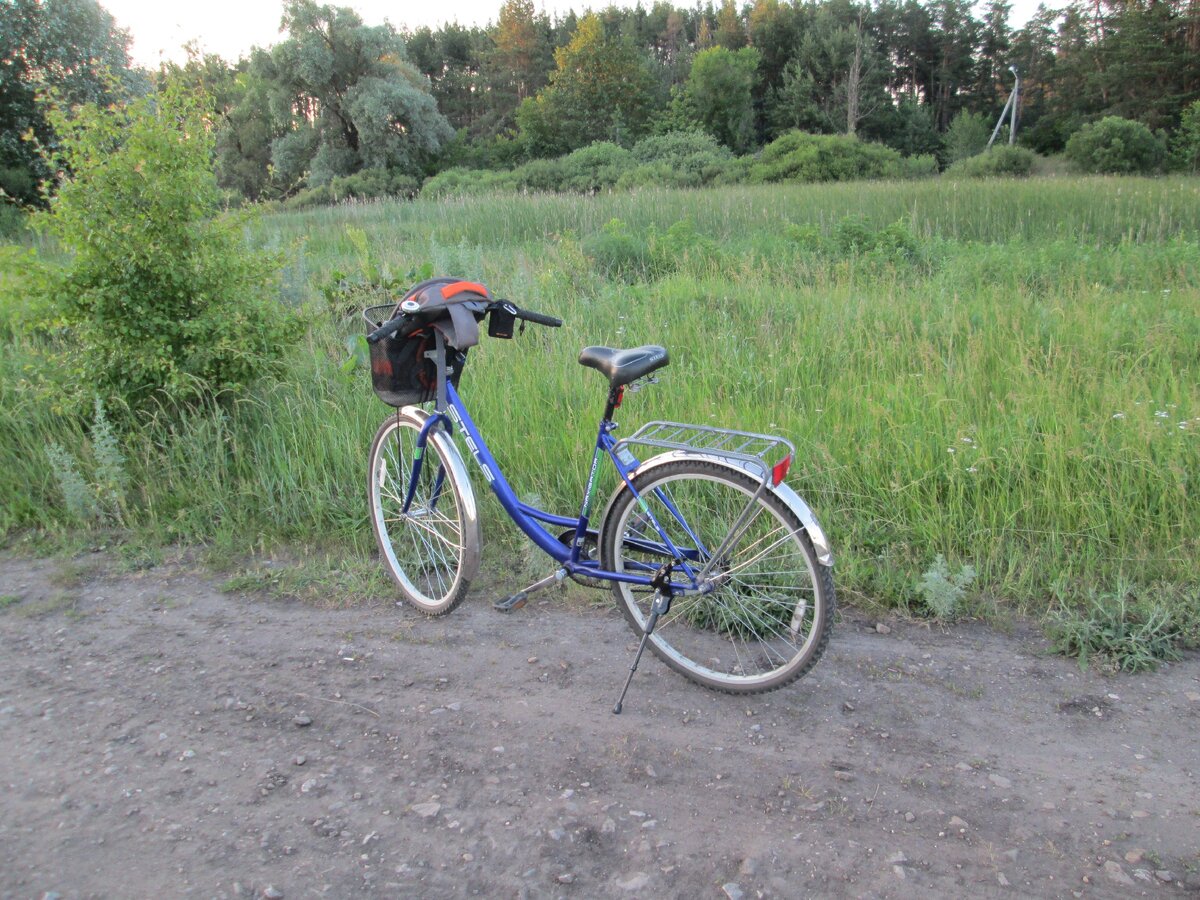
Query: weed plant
<point x="1004" y="373"/>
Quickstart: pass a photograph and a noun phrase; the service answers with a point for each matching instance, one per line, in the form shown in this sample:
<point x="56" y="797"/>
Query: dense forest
<point x="387" y="107"/>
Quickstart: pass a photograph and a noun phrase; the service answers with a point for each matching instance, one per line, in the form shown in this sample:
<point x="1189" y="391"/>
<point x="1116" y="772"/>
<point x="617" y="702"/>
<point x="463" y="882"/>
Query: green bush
<point x="619" y="253"/>
<point x="1115" y="146"/>
<point x="369" y="184"/>
<point x="799" y="156"/>
<point x="1185" y="146"/>
<point x="967" y="136"/>
<point x="678" y="159"/>
<point x="1004" y="160"/>
<point x="28" y="290"/>
<point x="943" y="593"/>
<point x="593" y="168"/>
<point x="459" y="181"/>
<point x="1120" y="632"/>
<point x="163" y="299"/>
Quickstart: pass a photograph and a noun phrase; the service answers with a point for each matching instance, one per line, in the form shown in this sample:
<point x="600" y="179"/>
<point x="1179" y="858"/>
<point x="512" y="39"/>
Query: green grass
<point x="1016" y="390"/>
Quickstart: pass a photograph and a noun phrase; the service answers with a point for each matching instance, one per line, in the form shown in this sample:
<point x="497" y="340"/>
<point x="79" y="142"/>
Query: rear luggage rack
<point x="764" y="451"/>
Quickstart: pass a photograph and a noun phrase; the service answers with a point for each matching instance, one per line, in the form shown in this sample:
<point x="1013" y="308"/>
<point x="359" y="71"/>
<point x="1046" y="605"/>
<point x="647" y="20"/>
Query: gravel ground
<point x="162" y="738"/>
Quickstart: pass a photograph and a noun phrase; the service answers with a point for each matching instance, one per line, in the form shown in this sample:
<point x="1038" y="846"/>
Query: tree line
<point x="387" y="107"/>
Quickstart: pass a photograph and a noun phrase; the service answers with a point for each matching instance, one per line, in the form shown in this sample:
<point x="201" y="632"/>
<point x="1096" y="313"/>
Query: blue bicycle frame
<point x="530" y="519"/>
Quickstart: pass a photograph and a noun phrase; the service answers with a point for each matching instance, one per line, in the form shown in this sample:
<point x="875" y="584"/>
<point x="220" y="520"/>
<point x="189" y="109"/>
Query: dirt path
<point x="161" y="738"/>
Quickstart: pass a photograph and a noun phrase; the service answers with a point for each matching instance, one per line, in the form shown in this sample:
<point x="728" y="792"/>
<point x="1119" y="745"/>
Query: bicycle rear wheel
<point x="431" y="549"/>
<point x="767" y="618"/>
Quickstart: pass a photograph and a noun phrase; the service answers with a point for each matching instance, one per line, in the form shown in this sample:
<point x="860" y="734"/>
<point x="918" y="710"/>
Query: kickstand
<point x="517" y="600"/>
<point x="662" y="603"/>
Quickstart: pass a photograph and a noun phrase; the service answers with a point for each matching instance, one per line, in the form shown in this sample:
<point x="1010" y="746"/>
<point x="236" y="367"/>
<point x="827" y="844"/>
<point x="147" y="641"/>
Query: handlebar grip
<point x="389" y="328"/>
<point x="538" y="318"/>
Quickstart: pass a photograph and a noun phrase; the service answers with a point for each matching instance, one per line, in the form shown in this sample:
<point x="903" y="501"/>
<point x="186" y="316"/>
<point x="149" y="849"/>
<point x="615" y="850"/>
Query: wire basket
<point x="404" y="368"/>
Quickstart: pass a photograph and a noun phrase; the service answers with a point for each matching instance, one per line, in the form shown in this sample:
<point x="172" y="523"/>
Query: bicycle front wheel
<point x="427" y="532"/>
<point x="765" y="612"/>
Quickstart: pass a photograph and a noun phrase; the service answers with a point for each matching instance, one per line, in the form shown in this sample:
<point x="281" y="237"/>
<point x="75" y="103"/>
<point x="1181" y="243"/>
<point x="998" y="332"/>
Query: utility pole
<point x="1014" y="100"/>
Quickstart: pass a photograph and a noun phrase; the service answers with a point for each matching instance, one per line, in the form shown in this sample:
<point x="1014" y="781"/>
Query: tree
<point x="602" y="89"/>
<point x="70" y="47"/>
<point x="357" y="102"/>
<point x="995" y="44"/>
<point x="719" y="93"/>
<point x="1185" y="146"/>
<point x="967" y="136"/>
<point x="835" y="81"/>
<point x="729" y="34"/>
<point x="166" y="300"/>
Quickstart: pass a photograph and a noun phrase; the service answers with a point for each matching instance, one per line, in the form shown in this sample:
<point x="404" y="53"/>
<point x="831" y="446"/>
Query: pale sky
<point x="160" y="28"/>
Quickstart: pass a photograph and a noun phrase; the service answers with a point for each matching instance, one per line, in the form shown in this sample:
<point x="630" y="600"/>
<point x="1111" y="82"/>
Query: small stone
<point x="843" y="776"/>
<point x="1193" y="696"/>
<point x="1133" y="857"/>
<point x="909" y="817"/>
<point x="454" y="707"/>
<point x="650" y="772"/>
<point x="1000" y="781"/>
<point x="1115" y="873"/>
<point x="308" y="785"/>
<point x="956" y="822"/>
<point x="1165" y="876"/>
<point x="898" y="871"/>
<point x="847" y="706"/>
<point x="1000" y="878"/>
<point x="897" y="859"/>
<point x="964" y="767"/>
<point x="634" y="882"/>
<point x="498" y="749"/>
<point x="272" y="893"/>
<point x="302" y="721"/>
<point x="566" y="878"/>
<point x="1143" y="875"/>
<point x="882" y="629"/>
<point x="1139" y="814"/>
<point x="557" y="834"/>
<point x="749" y="866"/>
<point x="608" y="827"/>
<point x="426" y="810"/>
<point x="531" y="660"/>
<point x="733" y="891"/>
<point x="299" y="760"/>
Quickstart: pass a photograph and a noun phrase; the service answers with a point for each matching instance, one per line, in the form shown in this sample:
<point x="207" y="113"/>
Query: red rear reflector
<point x="780" y="469"/>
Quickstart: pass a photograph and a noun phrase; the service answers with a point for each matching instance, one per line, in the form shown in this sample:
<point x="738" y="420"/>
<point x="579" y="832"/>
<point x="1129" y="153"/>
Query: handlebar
<point x="405" y="324"/>
<point x="389" y="328"/>
<point x="538" y="318"/>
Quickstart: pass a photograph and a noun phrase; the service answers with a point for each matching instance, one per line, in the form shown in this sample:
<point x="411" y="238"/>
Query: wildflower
<point x="951" y="450"/>
<point x="1118" y="415"/>
<point x="972" y="469"/>
<point x="1160" y="414"/>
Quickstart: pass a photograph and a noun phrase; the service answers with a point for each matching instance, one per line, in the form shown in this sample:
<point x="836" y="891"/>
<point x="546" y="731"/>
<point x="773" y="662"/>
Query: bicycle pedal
<point x="508" y="604"/>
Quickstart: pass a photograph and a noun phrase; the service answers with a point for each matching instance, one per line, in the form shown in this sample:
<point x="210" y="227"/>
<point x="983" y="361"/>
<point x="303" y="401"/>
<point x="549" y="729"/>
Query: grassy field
<point x="1005" y="374"/>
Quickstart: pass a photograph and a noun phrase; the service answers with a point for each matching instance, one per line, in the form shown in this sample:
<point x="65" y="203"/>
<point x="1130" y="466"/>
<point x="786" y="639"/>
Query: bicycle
<point x="719" y="566"/>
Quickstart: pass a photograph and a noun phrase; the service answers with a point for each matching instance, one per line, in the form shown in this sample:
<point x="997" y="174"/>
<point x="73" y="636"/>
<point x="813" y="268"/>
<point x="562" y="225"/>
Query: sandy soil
<point x="161" y="738"/>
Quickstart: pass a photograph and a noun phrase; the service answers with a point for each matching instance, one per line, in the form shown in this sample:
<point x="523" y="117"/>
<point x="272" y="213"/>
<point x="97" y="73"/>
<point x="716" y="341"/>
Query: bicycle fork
<point x="661" y="582"/>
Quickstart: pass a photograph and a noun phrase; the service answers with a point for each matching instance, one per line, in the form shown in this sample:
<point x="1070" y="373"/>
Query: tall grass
<point x="1018" y="394"/>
